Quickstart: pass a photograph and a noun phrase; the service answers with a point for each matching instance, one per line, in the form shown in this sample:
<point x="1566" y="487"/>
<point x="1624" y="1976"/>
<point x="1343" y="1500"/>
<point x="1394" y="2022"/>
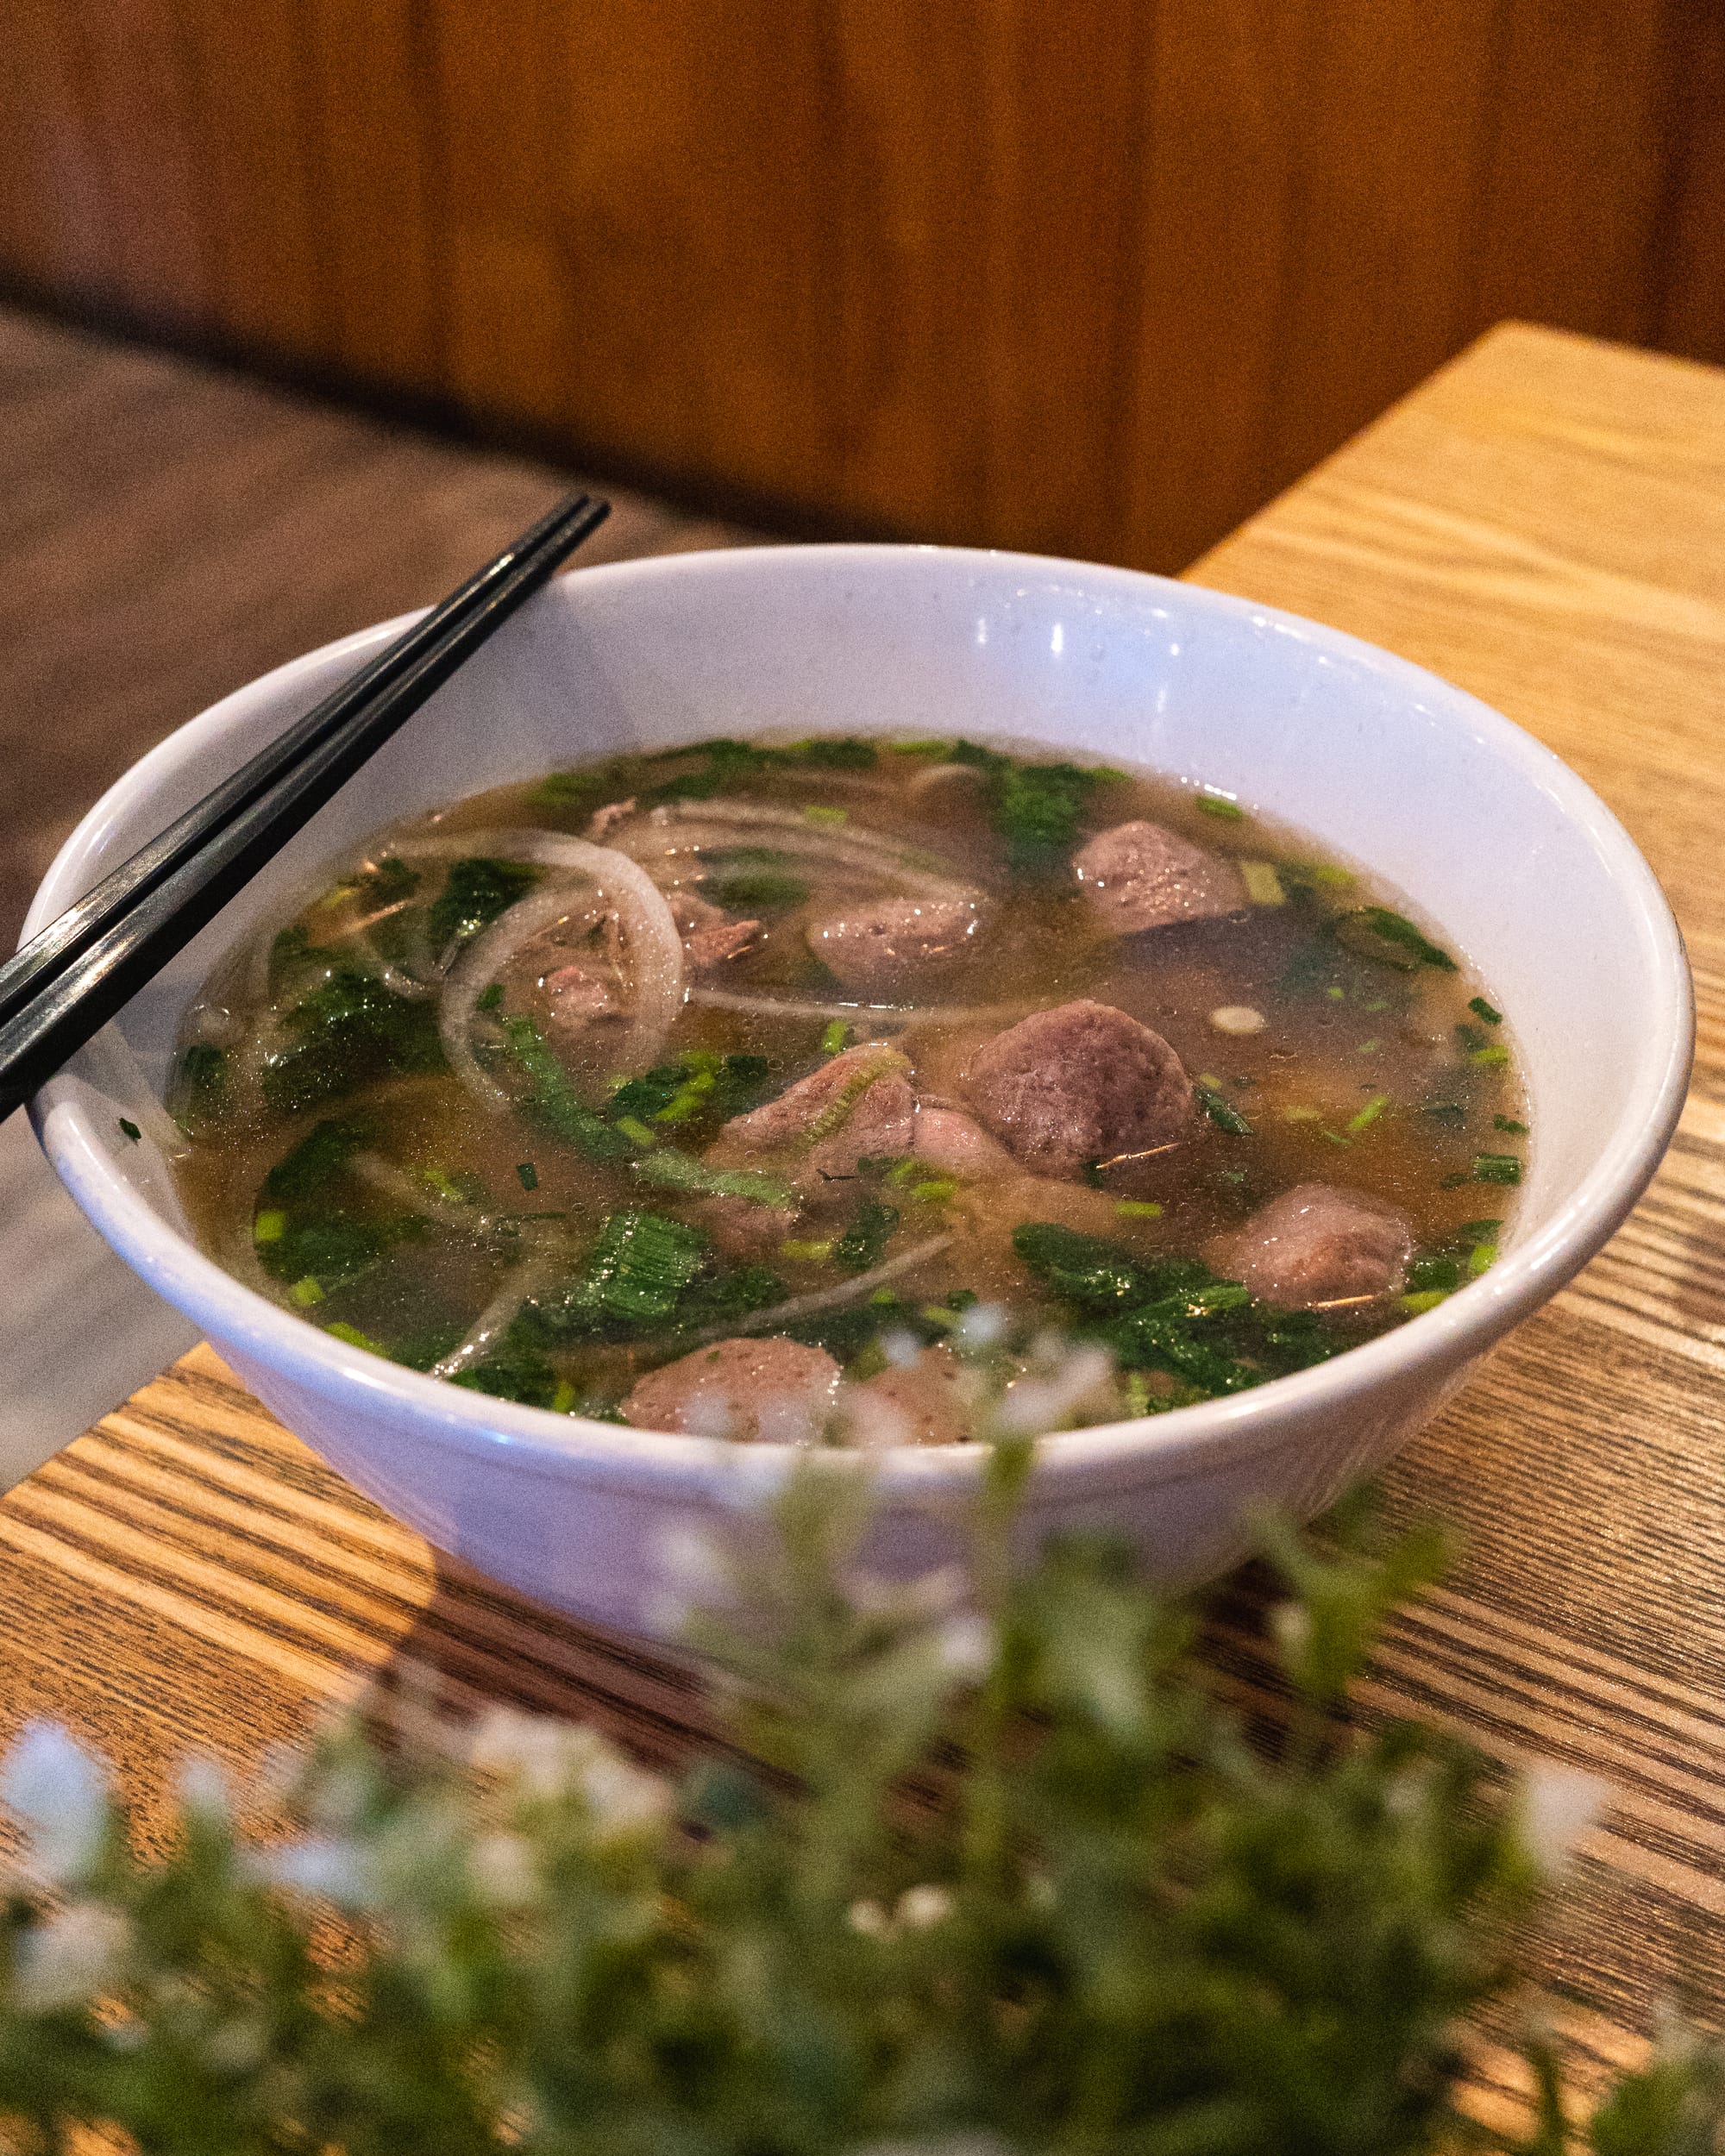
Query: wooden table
<point x="1544" y="522"/>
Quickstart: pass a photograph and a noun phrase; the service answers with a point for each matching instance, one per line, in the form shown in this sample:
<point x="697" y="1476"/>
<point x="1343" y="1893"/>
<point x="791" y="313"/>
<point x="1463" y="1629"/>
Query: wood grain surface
<point x="1092" y="279"/>
<point x="1544" y="522"/>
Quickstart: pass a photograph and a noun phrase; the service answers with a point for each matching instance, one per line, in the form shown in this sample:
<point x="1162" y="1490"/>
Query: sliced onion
<point x="839" y="846"/>
<point x="398" y="982"/>
<point x="495" y="1320"/>
<point x="655" y="949"/>
<point x="827" y="1298"/>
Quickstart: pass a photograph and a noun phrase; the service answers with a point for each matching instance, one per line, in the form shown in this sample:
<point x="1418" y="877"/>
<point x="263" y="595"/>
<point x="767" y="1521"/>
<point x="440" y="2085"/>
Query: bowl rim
<point x="1180" y="1441"/>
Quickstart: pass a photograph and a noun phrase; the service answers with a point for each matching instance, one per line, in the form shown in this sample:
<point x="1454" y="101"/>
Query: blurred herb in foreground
<point x="1113" y="1925"/>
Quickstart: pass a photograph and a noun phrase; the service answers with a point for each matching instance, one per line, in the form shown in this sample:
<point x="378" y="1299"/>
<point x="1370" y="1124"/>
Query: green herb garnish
<point x="1036" y="807"/>
<point x="1482" y="1009"/>
<point x="1497" y="1167"/>
<point x="316" y="1159"/>
<point x="351" y="1029"/>
<point x="129" y="1130"/>
<point x="667" y="1169"/>
<point x="1389" y="939"/>
<point x="1508" y="1123"/>
<point x="552" y="1101"/>
<point x="864" y="1242"/>
<point x="475" y="893"/>
<point x="1218" y="805"/>
<point x="527" y="1175"/>
<point x="1220" y="1111"/>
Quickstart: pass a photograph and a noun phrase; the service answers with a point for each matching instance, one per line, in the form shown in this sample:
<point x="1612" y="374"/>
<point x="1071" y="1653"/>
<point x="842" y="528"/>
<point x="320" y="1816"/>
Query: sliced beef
<point x="1315" y="1245"/>
<point x="955" y="1143"/>
<point x="860" y="1104"/>
<point x="1139" y="875"/>
<point x="709" y="935"/>
<point x="924" y="1403"/>
<point x="775" y="1391"/>
<point x="577" y="996"/>
<point x="879" y="943"/>
<point x="1080" y="1083"/>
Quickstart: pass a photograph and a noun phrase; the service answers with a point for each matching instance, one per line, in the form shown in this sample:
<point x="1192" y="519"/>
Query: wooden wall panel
<point x="1093" y="277"/>
<point x="258" y="191"/>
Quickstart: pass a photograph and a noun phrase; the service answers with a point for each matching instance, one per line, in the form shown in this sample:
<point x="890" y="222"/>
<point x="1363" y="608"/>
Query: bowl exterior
<point x="602" y="1551"/>
<point x="1369" y="754"/>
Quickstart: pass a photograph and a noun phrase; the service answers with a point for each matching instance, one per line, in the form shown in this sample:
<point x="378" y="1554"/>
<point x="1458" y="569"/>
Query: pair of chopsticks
<point x="69" y="979"/>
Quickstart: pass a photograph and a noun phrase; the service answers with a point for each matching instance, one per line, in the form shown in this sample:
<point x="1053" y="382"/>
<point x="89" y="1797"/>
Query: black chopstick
<point x="72" y="978"/>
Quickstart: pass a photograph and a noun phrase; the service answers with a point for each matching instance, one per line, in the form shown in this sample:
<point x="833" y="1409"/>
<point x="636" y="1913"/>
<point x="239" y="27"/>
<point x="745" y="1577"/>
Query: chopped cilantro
<point x="130" y="1129"/>
<point x="1389" y="939"/>
<point x="350" y="1030"/>
<point x="865" y="1239"/>
<point x="1509" y="1123"/>
<point x="475" y="892"/>
<point x="1482" y="1009"/>
<point x="316" y="1159"/>
<point x="1224" y="1116"/>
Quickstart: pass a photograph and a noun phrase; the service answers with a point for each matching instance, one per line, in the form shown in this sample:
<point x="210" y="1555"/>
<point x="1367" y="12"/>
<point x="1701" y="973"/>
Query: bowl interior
<point x="1520" y="865"/>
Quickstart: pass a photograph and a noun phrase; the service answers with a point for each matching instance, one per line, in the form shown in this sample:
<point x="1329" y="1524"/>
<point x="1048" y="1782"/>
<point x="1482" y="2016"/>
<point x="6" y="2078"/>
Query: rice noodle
<point x="870" y="1013"/>
<point x="827" y="1298"/>
<point x="398" y="982"/>
<point x="653" y="945"/>
<point x="495" y="1320"/>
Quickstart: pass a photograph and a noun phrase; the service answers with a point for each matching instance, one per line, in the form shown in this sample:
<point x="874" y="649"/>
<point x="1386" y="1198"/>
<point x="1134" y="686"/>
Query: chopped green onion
<point x="1377" y="1003"/>
<point x="1490" y="1057"/>
<point x="1334" y="994"/>
<point x="1301" y="1115"/>
<point x="1369" y="1115"/>
<point x="832" y="1041"/>
<point x="806" y="1253"/>
<point x="670" y="1169"/>
<point x="882" y="1296"/>
<point x="438" y="1179"/>
<point x="632" y="1126"/>
<point x="563" y="1399"/>
<point x="354" y="1338"/>
<point x="130" y="1129"/>
<point x="1138" y="1209"/>
<point x="1497" y="1167"/>
<point x="816" y="814"/>
<point x="528" y="1174"/>
<point x="1225" y="1116"/>
<point x="1482" y="1009"/>
<point x="935" y="1314"/>
<point x="1369" y="1047"/>
<point x="1481" y="1256"/>
<point x="1326" y="872"/>
<point x="307" y="1291"/>
<point x="1263" y="885"/>
<point x="1336" y="1137"/>
<point x="934" y="1192"/>
<point x="553" y="1101"/>
<point x="1509" y="1123"/>
<point x="1207" y="1078"/>
<point x="269" y="1227"/>
<point x="1424" y="1299"/>
<point x="1218" y="805"/>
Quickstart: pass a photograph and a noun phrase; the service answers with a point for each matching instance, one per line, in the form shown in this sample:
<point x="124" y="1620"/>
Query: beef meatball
<point x="1141" y="875"/>
<point x="1315" y="1246"/>
<point x="777" y="1392"/>
<point x="1080" y="1083"/>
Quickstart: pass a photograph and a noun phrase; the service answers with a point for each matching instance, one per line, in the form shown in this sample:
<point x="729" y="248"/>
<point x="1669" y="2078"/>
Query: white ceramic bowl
<point x="1528" y="874"/>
